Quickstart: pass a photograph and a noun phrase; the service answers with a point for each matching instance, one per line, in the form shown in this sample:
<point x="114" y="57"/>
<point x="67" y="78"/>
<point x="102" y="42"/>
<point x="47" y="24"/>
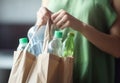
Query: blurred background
<point x="16" y="17"/>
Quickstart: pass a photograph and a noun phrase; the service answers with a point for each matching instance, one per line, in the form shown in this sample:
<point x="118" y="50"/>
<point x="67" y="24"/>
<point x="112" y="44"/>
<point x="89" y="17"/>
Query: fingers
<point x="43" y="15"/>
<point x="66" y="24"/>
<point x="44" y="11"/>
<point x="56" y="16"/>
<point x="60" y="19"/>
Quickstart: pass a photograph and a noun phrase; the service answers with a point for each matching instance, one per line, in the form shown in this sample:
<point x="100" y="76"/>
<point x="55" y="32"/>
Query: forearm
<point x="106" y="42"/>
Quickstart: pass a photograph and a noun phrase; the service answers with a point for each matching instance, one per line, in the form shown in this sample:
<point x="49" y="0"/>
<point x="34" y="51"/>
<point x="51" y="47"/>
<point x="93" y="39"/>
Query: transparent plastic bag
<point x="37" y="41"/>
<point x="36" y="45"/>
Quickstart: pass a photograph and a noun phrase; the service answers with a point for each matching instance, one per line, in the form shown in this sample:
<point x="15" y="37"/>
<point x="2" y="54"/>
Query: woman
<point x="96" y="24"/>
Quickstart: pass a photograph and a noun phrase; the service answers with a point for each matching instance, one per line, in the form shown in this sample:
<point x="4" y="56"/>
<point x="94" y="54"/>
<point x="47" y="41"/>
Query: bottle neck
<point x="57" y="38"/>
<point x="23" y="43"/>
<point x="71" y="37"/>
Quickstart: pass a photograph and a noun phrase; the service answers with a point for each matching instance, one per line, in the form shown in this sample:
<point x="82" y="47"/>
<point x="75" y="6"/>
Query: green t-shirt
<point x="91" y="64"/>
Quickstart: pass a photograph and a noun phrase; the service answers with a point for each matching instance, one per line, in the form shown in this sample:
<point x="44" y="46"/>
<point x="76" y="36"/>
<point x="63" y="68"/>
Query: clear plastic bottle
<point x="22" y="43"/>
<point x="68" y="45"/>
<point x="55" y="45"/>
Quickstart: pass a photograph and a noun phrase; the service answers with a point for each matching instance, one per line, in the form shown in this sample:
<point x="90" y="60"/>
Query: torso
<point x="87" y="56"/>
<point x="116" y="5"/>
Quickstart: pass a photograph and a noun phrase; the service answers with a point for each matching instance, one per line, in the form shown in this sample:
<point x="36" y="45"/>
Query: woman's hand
<point x="63" y="19"/>
<point x="43" y="15"/>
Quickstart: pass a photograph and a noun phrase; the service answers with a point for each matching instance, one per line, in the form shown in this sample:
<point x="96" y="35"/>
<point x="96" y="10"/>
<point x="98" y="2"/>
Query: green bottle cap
<point x="23" y="40"/>
<point x="58" y="34"/>
<point x="71" y="34"/>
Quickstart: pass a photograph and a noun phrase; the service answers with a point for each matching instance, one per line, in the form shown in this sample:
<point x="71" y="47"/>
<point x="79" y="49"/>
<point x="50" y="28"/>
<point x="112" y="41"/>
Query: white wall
<point x="18" y="11"/>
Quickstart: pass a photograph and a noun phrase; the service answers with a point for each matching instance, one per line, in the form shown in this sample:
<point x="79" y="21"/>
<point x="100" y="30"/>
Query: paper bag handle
<point x="47" y="36"/>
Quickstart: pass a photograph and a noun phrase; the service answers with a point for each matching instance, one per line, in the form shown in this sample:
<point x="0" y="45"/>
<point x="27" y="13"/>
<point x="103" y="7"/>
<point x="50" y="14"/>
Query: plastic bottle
<point x="22" y="43"/>
<point x="68" y="45"/>
<point x="55" y="45"/>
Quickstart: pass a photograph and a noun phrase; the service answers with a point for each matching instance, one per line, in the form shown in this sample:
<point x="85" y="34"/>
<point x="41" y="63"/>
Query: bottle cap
<point x="58" y="34"/>
<point x="23" y="40"/>
<point x="71" y="34"/>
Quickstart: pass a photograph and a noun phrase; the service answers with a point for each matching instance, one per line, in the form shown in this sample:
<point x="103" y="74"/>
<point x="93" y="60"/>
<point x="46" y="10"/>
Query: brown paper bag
<point x="50" y="68"/>
<point x="21" y="66"/>
<point x="46" y="68"/>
